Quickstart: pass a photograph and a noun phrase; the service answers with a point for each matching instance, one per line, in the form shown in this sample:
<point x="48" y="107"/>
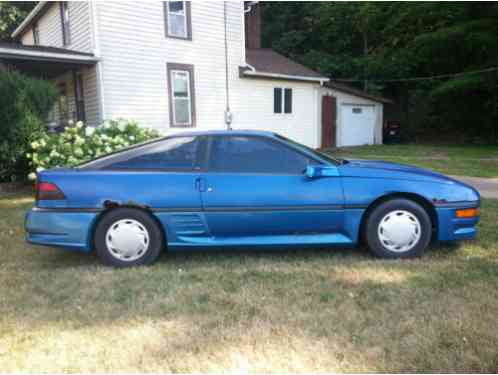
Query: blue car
<point x="244" y="188"/>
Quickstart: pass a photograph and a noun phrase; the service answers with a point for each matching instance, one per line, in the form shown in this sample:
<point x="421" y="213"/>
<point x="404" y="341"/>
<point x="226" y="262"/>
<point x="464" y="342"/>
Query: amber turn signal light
<point x="467" y="212"/>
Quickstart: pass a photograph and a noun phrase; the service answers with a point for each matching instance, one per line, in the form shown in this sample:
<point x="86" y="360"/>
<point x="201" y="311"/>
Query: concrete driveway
<point x="488" y="187"/>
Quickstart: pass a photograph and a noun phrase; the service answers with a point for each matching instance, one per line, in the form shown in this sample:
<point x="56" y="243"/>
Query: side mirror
<point x="316" y="171"/>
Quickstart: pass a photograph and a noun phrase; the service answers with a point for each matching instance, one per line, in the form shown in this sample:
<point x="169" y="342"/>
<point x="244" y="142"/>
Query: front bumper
<point x="52" y="227"/>
<point x="451" y="228"/>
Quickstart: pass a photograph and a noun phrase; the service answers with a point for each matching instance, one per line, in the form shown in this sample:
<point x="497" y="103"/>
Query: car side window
<point x="245" y="154"/>
<point x="177" y="153"/>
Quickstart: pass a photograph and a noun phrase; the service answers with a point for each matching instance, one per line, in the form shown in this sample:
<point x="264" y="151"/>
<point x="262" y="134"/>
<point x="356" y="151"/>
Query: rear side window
<point x="241" y="154"/>
<point x="173" y="154"/>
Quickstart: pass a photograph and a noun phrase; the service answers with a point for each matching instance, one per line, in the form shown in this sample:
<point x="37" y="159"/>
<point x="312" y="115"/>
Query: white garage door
<point x="357" y="124"/>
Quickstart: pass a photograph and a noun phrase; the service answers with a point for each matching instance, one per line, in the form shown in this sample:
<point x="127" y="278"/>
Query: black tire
<point x="155" y="237"/>
<point x="374" y="218"/>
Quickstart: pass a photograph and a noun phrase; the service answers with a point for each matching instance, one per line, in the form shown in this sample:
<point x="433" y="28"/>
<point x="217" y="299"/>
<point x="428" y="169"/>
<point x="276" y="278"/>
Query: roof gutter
<point x="254" y="73"/>
<point x="14" y="52"/>
<point x="28" y="19"/>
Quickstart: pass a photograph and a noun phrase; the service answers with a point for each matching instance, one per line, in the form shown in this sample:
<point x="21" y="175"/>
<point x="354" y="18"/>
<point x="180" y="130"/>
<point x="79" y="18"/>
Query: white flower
<point x="108" y="149"/>
<point x="79" y="141"/>
<point x="122" y="126"/>
<point x="79" y="124"/>
<point x="89" y="131"/>
<point x="34" y="145"/>
<point x="131" y="137"/>
<point x="78" y="152"/>
<point x="32" y="176"/>
<point x="70" y="122"/>
<point x="43" y="143"/>
<point x="40" y="169"/>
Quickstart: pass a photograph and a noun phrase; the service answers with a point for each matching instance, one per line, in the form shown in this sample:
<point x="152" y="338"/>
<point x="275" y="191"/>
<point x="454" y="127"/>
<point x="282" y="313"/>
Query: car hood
<point x="385" y="169"/>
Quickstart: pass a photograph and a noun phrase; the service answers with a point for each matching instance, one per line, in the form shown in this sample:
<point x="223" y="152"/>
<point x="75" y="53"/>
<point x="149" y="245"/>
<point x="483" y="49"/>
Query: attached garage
<point x="350" y="117"/>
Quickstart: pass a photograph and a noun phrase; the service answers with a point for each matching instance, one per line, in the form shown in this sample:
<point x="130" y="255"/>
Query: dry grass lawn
<point x="465" y="160"/>
<point x="241" y="311"/>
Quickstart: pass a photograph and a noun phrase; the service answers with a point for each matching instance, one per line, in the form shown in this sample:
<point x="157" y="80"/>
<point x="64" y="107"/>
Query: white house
<point x="183" y="65"/>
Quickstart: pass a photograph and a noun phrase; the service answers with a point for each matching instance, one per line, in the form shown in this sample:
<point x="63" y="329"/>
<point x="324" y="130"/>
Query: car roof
<point x="225" y="132"/>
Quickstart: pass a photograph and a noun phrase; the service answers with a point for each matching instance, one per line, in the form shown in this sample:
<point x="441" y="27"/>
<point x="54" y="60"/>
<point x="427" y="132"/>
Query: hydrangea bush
<point x="80" y="143"/>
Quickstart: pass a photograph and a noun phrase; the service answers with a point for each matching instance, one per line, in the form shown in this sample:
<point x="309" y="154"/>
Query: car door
<point x="161" y="175"/>
<point x="255" y="186"/>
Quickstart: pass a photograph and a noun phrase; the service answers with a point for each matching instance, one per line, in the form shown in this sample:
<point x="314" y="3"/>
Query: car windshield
<point x="321" y="155"/>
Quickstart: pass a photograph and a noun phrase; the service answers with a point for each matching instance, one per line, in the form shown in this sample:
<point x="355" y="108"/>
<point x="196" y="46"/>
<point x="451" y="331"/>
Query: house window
<point x="181" y="95"/>
<point x="282" y="100"/>
<point x="177" y="19"/>
<point x="36" y="34"/>
<point x="66" y="34"/>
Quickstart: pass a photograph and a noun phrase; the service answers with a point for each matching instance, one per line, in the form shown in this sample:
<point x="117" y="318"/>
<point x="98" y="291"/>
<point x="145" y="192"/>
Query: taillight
<point x="48" y="191"/>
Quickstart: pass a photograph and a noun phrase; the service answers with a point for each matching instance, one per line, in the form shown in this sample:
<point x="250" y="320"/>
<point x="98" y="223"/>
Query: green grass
<point x="333" y="310"/>
<point x="476" y="161"/>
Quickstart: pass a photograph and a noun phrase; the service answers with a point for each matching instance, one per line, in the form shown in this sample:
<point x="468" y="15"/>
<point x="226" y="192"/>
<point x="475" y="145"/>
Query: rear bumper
<point x="451" y="228"/>
<point x="70" y="230"/>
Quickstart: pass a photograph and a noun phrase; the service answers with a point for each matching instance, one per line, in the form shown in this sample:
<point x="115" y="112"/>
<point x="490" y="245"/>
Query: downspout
<point x="97" y="53"/>
<point x="247" y="10"/>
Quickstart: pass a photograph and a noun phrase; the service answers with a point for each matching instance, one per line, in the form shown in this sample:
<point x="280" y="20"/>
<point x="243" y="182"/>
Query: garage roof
<point x="356" y="92"/>
<point x="269" y="64"/>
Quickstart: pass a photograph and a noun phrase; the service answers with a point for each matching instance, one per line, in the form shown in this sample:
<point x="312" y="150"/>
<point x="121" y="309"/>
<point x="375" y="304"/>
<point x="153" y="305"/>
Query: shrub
<point x="24" y="105"/>
<point x="79" y="143"/>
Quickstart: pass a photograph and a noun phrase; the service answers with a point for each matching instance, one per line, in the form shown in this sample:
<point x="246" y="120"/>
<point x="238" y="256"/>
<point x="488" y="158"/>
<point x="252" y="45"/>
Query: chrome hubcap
<point x="127" y="240"/>
<point x="399" y="231"/>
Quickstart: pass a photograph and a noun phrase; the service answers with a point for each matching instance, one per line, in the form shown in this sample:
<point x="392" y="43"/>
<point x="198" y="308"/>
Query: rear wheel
<point x="398" y="228"/>
<point x="127" y="237"/>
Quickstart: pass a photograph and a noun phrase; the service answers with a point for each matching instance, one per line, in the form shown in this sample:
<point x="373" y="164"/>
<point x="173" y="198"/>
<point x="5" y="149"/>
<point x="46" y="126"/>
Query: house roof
<point x="356" y="92"/>
<point x="32" y="17"/>
<point x="269" y="64"/>
<point x="43" y="60"/>
<point x="20" y="49"/>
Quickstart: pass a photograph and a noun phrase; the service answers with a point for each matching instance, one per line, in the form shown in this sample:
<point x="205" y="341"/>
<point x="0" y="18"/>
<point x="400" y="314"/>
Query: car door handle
<point x="200" y="184"/>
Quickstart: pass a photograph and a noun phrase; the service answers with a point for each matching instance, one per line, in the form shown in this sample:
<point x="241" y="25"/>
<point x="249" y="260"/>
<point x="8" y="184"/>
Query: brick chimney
<point x="253" y="24"/>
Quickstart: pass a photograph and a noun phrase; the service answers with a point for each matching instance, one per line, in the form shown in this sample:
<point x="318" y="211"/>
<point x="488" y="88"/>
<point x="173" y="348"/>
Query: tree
<point x="373" y="44"/>
<point x="11" y="15"/>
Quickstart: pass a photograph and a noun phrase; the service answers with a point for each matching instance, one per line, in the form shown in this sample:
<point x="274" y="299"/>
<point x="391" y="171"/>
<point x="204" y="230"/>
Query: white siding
<point x="79" y="23"/>
<point x="253" y="109"/>
<point x="344" y="98"/>
<point x="135" y="51"/>
<point x="90" y="91"/>
<point x="27" y="37"/>
<point x="50" y="27"/>
<point x="135" y="78"/>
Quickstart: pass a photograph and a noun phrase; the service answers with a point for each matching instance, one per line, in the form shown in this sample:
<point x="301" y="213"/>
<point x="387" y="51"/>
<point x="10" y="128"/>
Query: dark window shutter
<point x="277" y="100"/>
<point x="288" y="101"/>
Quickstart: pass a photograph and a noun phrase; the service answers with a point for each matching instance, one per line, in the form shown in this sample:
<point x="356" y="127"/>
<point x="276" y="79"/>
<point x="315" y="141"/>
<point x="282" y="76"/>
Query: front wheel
<point x="127" y="237"/>
<point x="398" y="228"/>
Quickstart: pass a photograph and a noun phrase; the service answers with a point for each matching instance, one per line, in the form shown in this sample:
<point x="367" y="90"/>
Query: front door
<point x="254" y="190"/>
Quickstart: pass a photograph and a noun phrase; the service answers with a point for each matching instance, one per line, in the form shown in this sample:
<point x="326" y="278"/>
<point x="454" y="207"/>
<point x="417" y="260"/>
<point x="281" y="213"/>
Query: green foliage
<point x="79" y="143"/>
<point x="397" y="40"/>
<point x="11" y="15"/>
<point x="24" y="106"/>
